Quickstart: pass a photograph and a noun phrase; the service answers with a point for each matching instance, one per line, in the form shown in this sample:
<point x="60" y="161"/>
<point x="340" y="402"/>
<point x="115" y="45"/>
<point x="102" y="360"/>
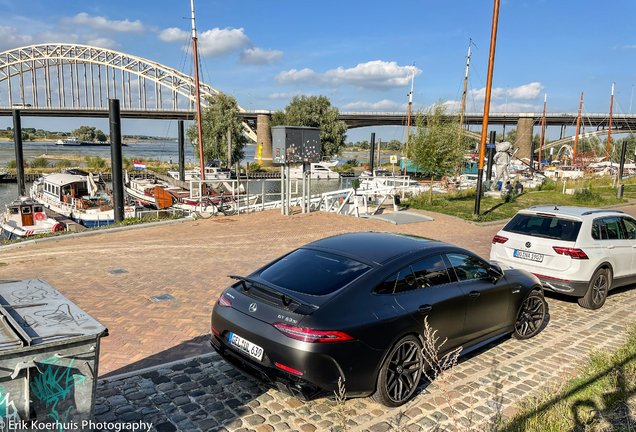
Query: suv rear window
<point x="544" y="226"/>
<point x="313" y="272"/>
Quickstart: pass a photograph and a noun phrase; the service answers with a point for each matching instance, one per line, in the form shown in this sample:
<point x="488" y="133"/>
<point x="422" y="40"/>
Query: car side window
<point x="468" y="267"/>
<point x="596" y="229"/>
<point x="630" y="227"/>
<point x="430" y="271"/>
<point x="405" y="281"/>
<point x="611" y="226"/>
<point x="388" y="286"/>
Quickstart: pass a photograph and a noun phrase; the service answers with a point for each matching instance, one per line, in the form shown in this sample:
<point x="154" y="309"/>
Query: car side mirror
<point x="495" y="271"/>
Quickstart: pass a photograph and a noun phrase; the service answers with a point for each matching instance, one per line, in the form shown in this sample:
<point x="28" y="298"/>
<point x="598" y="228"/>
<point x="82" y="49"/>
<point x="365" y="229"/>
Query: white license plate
<point x="246" y="346"/>
<point x="528" y="255"/>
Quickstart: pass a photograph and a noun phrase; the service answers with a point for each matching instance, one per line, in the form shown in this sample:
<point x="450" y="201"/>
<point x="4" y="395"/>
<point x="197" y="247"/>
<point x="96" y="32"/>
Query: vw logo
<point x="253" y="307"/>
<point x="528" y="245"/>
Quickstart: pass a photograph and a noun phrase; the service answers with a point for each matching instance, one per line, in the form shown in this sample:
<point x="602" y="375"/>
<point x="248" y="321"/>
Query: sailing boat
<point x="198" y="89"/>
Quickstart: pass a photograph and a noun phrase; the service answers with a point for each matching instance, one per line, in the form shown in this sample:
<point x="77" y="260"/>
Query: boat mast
<point x="408" y="123"/>
<point x="545" y="100"/>
<point x="461" y="115"/>
<point x="198" y="90"/>
<point x="609" y="131"/>
<point x="578" y="124"/>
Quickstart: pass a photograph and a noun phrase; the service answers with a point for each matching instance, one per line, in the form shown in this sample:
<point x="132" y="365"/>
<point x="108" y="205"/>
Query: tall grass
<point x="39" y="162"/>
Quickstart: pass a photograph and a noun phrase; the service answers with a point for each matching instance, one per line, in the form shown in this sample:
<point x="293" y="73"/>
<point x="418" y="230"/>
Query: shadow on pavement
<point x="194" y="347"/>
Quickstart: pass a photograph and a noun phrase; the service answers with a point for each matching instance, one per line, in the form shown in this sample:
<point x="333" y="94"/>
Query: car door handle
<point x="515" y="289"/>
<point x="424" y="309"/>
<point x="610" y="246"/>
<point x="634" y="246"/>
<point x="474" y="294"/>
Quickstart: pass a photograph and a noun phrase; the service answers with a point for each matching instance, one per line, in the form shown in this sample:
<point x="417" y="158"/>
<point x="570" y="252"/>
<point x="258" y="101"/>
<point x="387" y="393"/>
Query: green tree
<point x="394" y="145"/>
<point x="434" y="147"/>
<point x="315" y="111"/>
<point x="221" y="115"/>
<point x="88" y="133"/>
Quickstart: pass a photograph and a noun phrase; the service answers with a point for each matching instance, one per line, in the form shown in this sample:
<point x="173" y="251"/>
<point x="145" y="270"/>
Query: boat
<point x="3" y="174"/>
<point x="26" y="217"/>
<point x="381" y="179"/>
<point x="74" y="142"/>
<point x="78" y="197"/>
<point x="319" y="171"/>
<point x="211" y="173"/>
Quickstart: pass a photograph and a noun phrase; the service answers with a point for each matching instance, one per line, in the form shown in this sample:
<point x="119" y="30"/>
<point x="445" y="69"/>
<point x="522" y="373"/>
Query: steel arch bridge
<point x="82" y="77"/>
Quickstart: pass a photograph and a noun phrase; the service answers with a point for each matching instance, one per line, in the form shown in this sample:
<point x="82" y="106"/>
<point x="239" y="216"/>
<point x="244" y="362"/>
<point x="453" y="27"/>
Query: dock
<point x="70" y="225"/>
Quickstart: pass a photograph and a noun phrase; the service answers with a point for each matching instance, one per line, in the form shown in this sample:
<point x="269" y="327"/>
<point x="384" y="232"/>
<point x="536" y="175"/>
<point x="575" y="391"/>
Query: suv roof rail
<point x="543" y="205"/>
<point x="601" y="211"/>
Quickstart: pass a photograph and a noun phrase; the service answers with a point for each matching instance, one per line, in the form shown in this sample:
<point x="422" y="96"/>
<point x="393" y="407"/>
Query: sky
<point x="360" y="54"/>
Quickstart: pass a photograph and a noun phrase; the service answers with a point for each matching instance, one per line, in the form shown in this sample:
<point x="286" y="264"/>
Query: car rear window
<point x="313" y="272"/>
<point x="544" y="226"/>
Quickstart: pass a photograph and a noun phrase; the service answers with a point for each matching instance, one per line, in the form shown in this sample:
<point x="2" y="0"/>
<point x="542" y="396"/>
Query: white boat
<point x="211" y="173"/>
<point x="319" y="171"/>
<point x="3" y="174"/>
<point x="78" y="198"/>
<point x="25" y="217"/>
<point x="70" y="141"/>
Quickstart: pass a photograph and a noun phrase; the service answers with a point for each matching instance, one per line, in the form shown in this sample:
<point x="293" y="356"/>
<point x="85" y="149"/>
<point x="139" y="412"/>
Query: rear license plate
<point x="528" y="255"/>
<point x="246" y="346"/>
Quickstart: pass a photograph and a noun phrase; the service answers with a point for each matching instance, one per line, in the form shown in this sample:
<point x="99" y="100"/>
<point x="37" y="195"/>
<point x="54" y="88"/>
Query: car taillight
<point x="571" y="252"/>
<point x="288" y="369"/>
<point x="550" y="277"/>
<point x="309" y="335"/>
<point x="223" y="301"/>
<point x="499" y="239"/>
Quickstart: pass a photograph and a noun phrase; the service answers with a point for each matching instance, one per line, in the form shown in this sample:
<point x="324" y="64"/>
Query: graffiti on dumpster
<point x="8" y="412"/>
<point x="33" y="292"/>
<point x="52" y="317"/>
<point x="53" y="386"/>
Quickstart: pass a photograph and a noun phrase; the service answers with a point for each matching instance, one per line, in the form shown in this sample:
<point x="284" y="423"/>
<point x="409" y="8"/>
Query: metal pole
<point x="545" y="100"/>
<point x="129" y="92"/>
<point x="77" y="78"/>
<point x="229" y="148"/>
<point x="288" y="190"/>
<point x="461" y="115"/>
<point x="609" y="130"/>
<point x="9" y="86"/>
<point x="21" y="85"/>
<point x="85" y="87"/>
<point x="309" y="193"/>
<point x="34" y="84"/>
<point x="282" y="190"/>
<point x="578" y="125"/>
<point x="304" y="198"/>
<point x="198" y="89"/>
<point x="622" y="164"/>
<point x="493" y="137"/>
<point x="92" y="88"/>
<point x="484" y="128"/>
<point x="116" y="158"/>
<point x="99" y="82"/>
<point x="19" y="156"/>
<point x="63" y="84"/>
<point x="181" y="150"/>
<point x="408" y="124"/>
<point x="372" y="157"/>
<point x="379" y="159"/>
<point x="107" y="84"/>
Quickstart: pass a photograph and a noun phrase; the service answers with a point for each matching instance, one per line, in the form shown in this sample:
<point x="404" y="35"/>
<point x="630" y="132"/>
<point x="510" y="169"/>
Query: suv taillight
<point x="223" y="301"/>
<point x="309" y="335"/>
<point x="571" y="252"/>
<point x="499" y="239"/>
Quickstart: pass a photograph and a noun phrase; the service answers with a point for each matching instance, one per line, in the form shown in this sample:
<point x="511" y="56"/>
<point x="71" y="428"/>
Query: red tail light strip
<point x="309" y="335"/>
<point x="571" y="252"/>
<point x="215" y="330"/>
<point x="288" y="369"/>
<point x="223" y="301"/>
<point x="499" y="239"/>
<point x="550" y="277"/>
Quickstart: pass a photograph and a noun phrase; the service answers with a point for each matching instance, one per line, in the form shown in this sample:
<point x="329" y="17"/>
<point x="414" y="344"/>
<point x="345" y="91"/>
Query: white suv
<point x="582" y="252"/>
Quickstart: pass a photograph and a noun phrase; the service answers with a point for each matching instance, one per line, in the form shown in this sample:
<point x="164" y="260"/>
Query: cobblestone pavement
<point x="190" y="261"/>
<point x="207" y="393"/>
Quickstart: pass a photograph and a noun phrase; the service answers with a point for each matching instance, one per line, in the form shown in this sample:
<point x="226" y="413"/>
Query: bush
<point x="39" y="162"/>
<point x="95" y="162"/>
<point x="65" y="163"/>
<point x="586" y="195"/>
<point x="547" y="186"/>
<point x="11" y="164"/>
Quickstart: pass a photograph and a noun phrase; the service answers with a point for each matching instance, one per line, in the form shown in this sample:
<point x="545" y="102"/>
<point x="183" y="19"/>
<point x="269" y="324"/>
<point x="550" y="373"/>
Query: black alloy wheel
<point x="531" y="316"/>
<point x="400" y="374"/>
<point x="597" y="291"/>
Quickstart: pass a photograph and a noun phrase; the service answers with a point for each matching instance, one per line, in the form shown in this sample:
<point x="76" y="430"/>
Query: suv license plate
<point x="528" y="255"/>
<point x="246" y="346"/>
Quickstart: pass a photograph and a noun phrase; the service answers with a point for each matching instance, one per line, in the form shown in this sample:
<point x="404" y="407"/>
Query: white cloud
<point x="173" y="34"/>
<point x="219" y="42"/>
<point x="285" y="96"/>
<point x="257" y="56"/>
<point x="524" y="92"/>
<point x="383" y="105"/>
<point x="55" y="37"/>
<point x="628" y="47"/>
<point x="9" y="38"/>
<point x="376" y="74"/>
<point x="104" y="43"/>
<point x="103" y="24"/>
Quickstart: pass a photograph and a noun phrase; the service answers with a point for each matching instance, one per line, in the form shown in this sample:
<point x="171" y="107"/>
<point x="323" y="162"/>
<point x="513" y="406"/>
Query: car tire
<point x="530" y="316"/>
<point x="400" y="373"/>
<point x="597" y="290"/>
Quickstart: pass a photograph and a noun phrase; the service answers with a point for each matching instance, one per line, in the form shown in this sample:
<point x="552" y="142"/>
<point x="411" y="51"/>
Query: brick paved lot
<point x="191" y="260"/>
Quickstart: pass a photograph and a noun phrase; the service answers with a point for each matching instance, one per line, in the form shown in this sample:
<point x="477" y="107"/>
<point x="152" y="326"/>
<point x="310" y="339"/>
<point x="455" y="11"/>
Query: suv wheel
<point x="597" y="290"/>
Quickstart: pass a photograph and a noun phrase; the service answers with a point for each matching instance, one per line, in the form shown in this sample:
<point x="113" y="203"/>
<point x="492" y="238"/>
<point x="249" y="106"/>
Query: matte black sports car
<point x="353" y="307"/>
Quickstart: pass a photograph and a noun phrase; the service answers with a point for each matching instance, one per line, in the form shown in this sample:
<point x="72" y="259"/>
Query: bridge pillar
<point x="524" y="137"/>
<point x="263" y="139"/>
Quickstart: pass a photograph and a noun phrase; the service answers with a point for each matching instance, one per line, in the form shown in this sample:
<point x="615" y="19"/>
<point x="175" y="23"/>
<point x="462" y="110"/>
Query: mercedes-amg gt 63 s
<point x="353" y="307"/>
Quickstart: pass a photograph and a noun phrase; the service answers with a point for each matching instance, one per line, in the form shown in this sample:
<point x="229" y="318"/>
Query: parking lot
<point x="191" y="260"/>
